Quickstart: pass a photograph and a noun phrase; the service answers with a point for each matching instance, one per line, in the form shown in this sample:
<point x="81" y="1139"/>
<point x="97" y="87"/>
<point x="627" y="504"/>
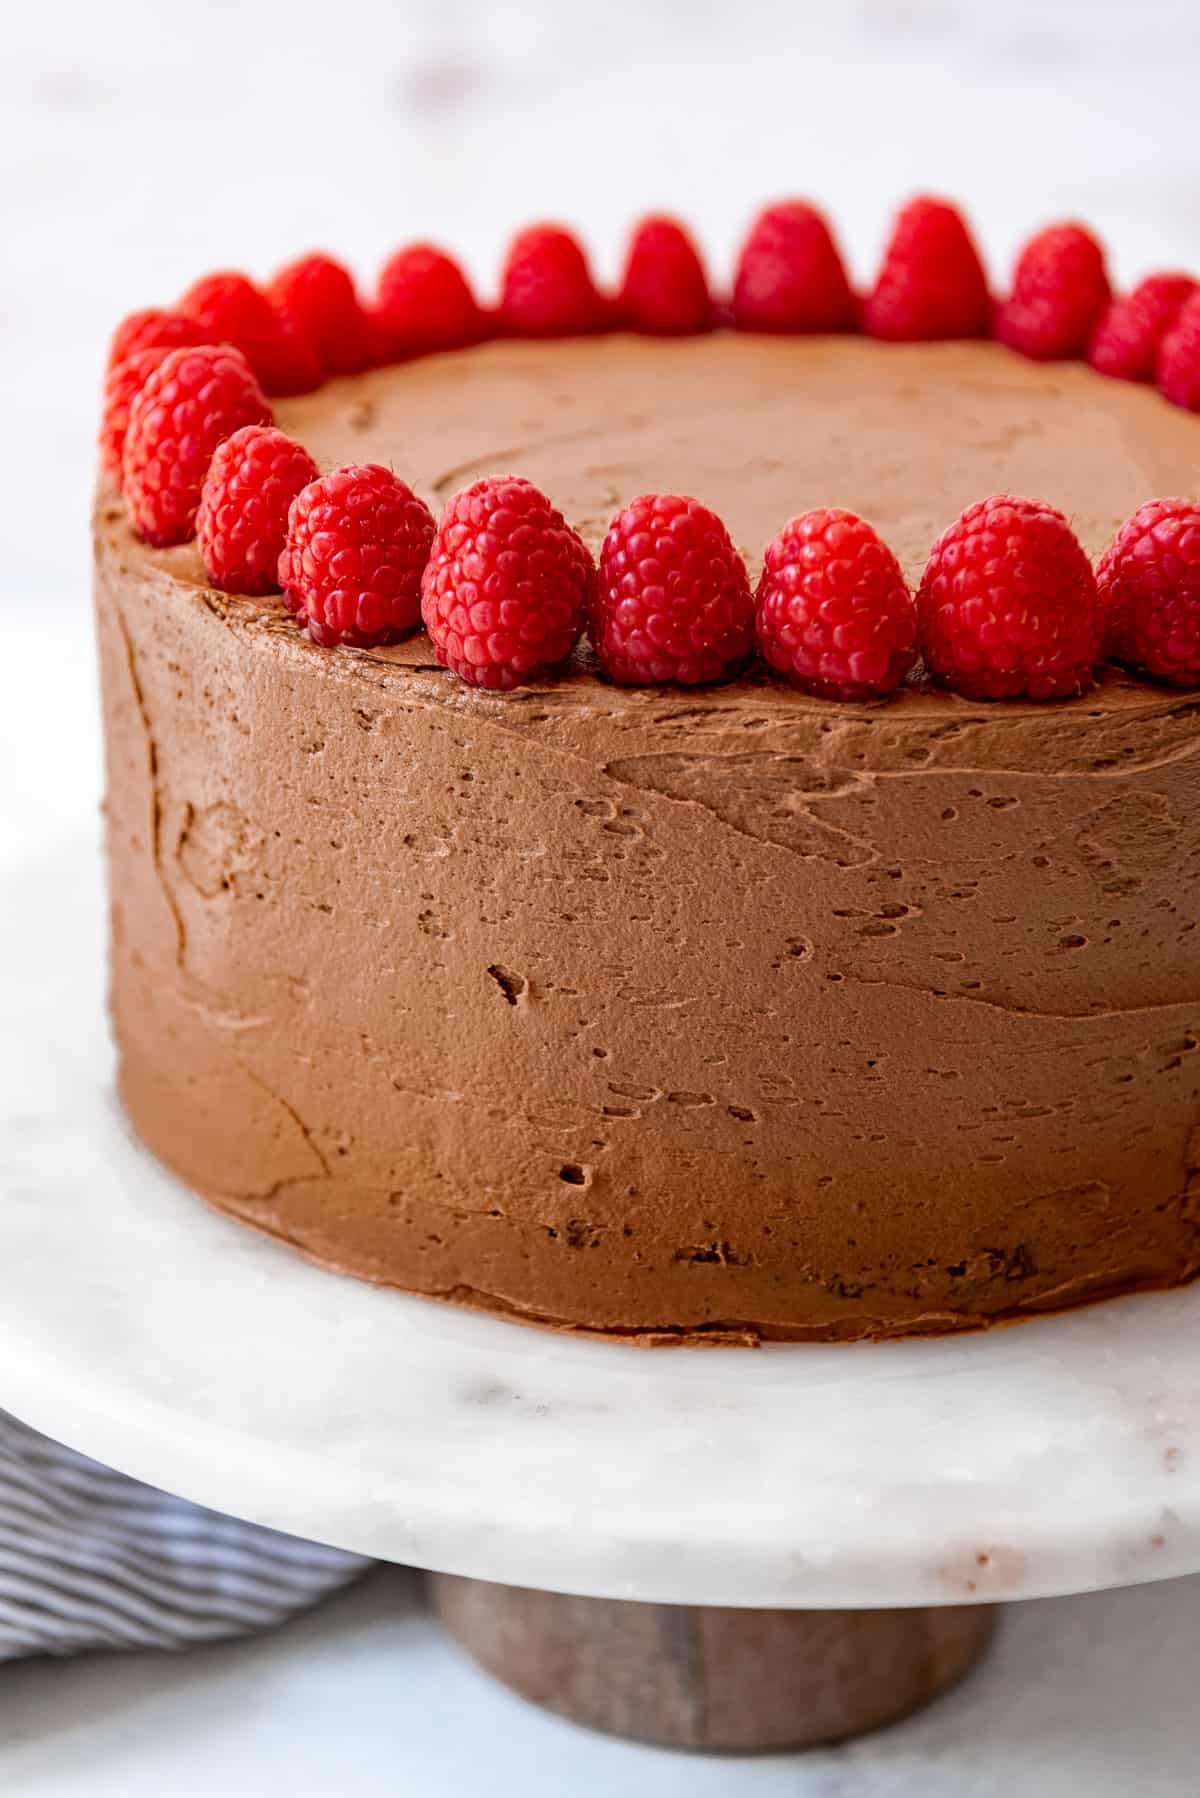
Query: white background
<point x="142" y="142"/>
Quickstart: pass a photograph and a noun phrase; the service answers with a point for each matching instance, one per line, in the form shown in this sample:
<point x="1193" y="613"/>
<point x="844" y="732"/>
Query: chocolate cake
<point x="718" y="1012"/>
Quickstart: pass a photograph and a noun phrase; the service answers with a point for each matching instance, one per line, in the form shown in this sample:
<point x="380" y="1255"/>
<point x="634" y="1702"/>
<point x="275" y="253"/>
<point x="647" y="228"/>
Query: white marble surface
<point x="142" y="1328"/>
<point x="1080" y="1698"/>
<point x="127" y="162"/>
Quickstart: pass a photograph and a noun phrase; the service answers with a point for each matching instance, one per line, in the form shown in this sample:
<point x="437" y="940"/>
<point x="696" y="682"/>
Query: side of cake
<point x="676" y="1012"/>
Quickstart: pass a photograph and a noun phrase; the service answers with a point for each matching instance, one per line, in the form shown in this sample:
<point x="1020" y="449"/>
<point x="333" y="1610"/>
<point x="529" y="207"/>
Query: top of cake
<point x="761" y="428"/>
<point x="694" y="496"/>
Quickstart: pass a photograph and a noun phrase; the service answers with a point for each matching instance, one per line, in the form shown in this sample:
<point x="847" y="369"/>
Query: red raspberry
<point x="546" y="289"/>
<point x="1177" y="369"/>
<point x="233" y="310"/>
<point x="1008" y="604"/>
<point x="664" y="289"/>
<point x="1149" y="585"/>
<point x="504" y="593"/>
<point x="153" y="329"/>
<point x="242" y="523"/>
<point x="1125" y="343"/>
<point x="192" y="401"/>
<point x="357" y="542"/>
<point x="835" y="616"/>
<point x="124" y="380"/>
<point x="1060" y="292"/>
<point x="672" y="600"/>
<point x="380" y="346"/>
<point x="932" y="283"/>
<point x="425" y="302"/>
<point x="316" y="298"/>
<point x="790" y="275"/>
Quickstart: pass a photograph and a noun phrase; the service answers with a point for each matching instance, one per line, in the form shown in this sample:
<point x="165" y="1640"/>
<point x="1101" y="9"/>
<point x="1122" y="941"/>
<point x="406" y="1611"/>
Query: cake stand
<point x="708" y="1547"/>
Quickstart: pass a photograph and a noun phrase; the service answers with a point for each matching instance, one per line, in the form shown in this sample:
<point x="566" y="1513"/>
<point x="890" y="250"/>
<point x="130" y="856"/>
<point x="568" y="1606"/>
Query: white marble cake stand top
<point x="1057" y="1456"/>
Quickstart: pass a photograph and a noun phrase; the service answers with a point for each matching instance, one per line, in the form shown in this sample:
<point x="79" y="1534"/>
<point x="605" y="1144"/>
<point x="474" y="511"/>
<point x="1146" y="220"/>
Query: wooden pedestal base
<point x="707" y="1678"/>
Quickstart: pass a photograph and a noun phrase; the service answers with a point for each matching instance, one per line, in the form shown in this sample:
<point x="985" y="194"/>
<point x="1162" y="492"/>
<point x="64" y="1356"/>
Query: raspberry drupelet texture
<point x="125" y="379"/>
<point x="834" y="614"/>
<point x="672" y="599"/>
<point x="425" y="303"/>
<point x="546" y="287"/>
<point x="357" y="544"/>
<point x="1059" y="294"/>
<point x="1126" y="341"/>
<point x="931" y="284"/>
<point x="1177" y="369"/>
<point x="316" y="298"/>
<point x="1008" y="604"/>
<point x="506" y="586"/>
<point x="233" y="310"/>
<point x="153" y="329"/>
<point x="241" y="526"/>
<point x="664" y="289"/>
<point x="1149" y="586"/>
<point x="190" y="403"/>
<point x="790" y="276"/>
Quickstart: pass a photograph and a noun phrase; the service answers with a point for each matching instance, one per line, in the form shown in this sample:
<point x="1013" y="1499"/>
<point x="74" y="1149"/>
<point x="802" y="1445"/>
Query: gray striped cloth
<point x="90" y="1559"/>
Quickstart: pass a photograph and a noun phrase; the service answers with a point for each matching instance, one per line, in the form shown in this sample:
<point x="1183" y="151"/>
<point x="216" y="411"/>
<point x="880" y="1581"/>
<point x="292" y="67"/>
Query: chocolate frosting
<point x="709" y="1014"/>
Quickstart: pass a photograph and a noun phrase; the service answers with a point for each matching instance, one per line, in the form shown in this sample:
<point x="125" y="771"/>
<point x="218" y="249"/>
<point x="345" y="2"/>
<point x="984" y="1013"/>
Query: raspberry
<point x="835" y="616"/>
<point x="1177" y="369"/>
<point x="546" y="289"/>
<point x="664" y="289"/>
<point x="1126" y="341"/>
<point x="192" y="401"/>
<point x="1008" y="604"/>
<point x="1060" y="291"/>
<point x="315" y="296"/>
<point x="672" y="600"/>
<point x="153" y="329"/>
<point x="379" y="345"/>
<point x="1149" y="584"/>
<point x="790" y="276"/>
<point x="932" y="283"/>
<point x="241" y="526"/>
<point x="124" y="380"/>
<point x="504" y="593"/>
<point x="233" y="310"/>
<point x="425" y="302"/>
<point x="357" y="542"/>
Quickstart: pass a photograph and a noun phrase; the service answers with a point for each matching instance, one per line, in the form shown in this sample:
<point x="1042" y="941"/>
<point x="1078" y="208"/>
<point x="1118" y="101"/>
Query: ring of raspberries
<point x="1008" y="606"/>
